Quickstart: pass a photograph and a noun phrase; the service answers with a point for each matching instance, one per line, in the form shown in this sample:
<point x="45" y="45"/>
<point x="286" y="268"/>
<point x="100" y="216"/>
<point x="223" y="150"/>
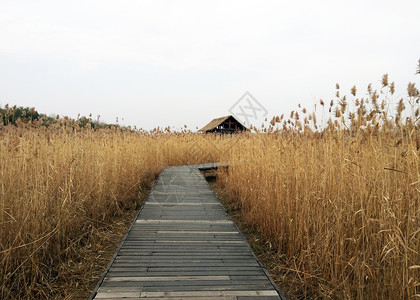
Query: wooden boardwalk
<point x="183" y="245"/>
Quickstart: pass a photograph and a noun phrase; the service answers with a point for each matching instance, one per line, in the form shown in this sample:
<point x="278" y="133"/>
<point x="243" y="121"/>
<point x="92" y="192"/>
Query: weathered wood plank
<point x="167" y="278"/>
<point x="189" y="285"/>
<point x="132" y="288"/>
<point x="208" y="293"/>
<point x="183" y="221"/>
<point x="183" y="245"/>
<point x="236" y="273"/>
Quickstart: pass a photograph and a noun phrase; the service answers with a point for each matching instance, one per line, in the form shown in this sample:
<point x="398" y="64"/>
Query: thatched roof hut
<point x="226" y="124"/>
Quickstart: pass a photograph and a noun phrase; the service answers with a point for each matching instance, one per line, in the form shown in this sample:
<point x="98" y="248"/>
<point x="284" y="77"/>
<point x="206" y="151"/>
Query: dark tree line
<point x="13" y="115"/>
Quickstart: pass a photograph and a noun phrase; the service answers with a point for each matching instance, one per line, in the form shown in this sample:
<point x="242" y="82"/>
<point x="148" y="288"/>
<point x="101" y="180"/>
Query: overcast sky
<point x="159" y="63"/>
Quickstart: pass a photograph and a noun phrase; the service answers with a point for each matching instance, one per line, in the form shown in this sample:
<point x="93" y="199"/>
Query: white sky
<point x="158" y="63"/>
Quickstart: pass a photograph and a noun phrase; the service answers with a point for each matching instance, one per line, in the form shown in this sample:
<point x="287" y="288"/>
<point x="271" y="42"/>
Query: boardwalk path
<point x="183" y="245"/>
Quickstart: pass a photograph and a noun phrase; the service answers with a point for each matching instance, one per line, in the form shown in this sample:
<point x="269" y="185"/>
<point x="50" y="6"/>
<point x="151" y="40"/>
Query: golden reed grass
<point x="59" y="184"/>
<point x="339" y="201"/>
<point x="340" y="205"/>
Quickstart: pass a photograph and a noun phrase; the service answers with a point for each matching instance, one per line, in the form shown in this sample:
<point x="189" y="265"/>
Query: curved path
<point x="183" y="245"/>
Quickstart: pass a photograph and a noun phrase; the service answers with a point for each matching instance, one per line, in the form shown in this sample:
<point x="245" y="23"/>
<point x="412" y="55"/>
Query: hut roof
<point x="216" y="122"/>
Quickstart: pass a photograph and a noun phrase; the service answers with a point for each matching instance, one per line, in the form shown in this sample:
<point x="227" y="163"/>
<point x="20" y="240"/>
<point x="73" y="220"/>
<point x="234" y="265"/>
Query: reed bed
<point x="340" y="205"/>
<point x="59" y="185"/>
<point x="338" y="200"/>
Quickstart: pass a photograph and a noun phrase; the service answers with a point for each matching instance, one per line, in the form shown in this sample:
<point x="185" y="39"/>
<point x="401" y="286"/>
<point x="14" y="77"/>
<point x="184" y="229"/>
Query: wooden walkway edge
<point x="183" y="245"/>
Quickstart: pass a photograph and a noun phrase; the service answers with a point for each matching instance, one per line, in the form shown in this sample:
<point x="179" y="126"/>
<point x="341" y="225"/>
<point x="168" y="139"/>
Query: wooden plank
<point x="195" y="232"/>
<point x="181" y="264"/>
<point x="186" y="242"/>
<point x="182" y="256"/>
<point x="179" y="298"/>
<point x="177" y="250"/>
<point x="183" y="245"/>
<point x="132" y="287"/>
<point x="114" y="295"/>
<point x="188" y="221"/>
<point x="153" y="269"/>
<point x="208" y="294"/>
<point x="123" y="273"/>
<point x="168" y="204"/>
<point x="168" y="278"/>
<point x="189" y="285"/>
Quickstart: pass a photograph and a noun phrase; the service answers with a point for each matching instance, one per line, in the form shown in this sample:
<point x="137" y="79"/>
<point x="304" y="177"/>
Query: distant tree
<point x="10" y="115"/>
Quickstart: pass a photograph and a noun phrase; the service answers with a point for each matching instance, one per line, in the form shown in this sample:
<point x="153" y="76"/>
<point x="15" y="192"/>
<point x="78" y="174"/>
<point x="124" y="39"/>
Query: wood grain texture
<point x="183" y="245"/>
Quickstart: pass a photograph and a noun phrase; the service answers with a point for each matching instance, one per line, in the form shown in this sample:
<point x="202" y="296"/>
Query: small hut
<point x="226" y="124"/>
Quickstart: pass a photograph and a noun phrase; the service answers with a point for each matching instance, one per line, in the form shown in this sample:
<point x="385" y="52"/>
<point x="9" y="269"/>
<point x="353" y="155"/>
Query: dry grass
<point x="341" y="205"/>
<point x="338" y="202"/>
<point x="290" y="285"/>
<point x="61" y="186"/>
<point x="77" y="277"/>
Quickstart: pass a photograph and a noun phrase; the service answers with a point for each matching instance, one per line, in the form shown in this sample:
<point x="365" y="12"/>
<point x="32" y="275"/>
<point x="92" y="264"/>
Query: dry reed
<point x="339" y="201"/>
<point x="59" y="185"/>
<point x="339" y="205"/>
